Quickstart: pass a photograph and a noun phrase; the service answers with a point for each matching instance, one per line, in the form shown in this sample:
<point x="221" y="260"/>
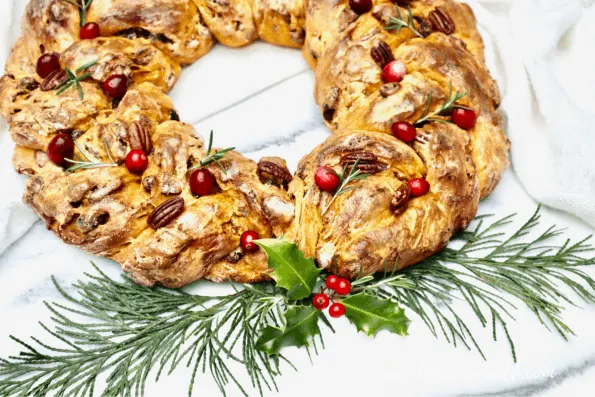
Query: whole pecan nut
<point x="367" y="163"/>
<point x="382" y="54"/>
<point x="53" y="80"/>
<point x="166" y="212"/>
<point x="139" y="138"/>
<point x="400" y="199"/>
<point x="275" y="170"/>
<point x="441" y="21"/>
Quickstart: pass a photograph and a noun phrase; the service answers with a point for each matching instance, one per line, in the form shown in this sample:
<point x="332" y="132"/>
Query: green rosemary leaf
<point x="370" y="314"/>
<point x="291" y="269"/>
<point x="345" y="179"/>
<point x="301" y="326"/>
<point x="397" y="23"/>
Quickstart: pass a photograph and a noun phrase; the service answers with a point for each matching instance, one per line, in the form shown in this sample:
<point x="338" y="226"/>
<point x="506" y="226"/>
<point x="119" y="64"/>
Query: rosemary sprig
<point x="214" y="157"/>
<point x="74" y="81"/>
<point x="83" y="6"/>
<point x="345" y="179"/>
<point x="398" y="23"/>
<point x="90" y="163"/>
<point x="447" y="106"/>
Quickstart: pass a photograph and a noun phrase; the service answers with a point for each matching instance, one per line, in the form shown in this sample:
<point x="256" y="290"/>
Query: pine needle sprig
<point x="447" y="106"/>
<point x="348" y="174"/>
<point x="127" y="332"/>
<point x="74" y="81"/>
<point x="493" y="275"/>
<point x="83" y="6"/>
<point x="214" y="157"/>
<point x="90" y="163"/>
<point x="397" y="23"/>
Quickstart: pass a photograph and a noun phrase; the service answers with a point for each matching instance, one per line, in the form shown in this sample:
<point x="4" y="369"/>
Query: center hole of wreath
<point x="259" y="99"/>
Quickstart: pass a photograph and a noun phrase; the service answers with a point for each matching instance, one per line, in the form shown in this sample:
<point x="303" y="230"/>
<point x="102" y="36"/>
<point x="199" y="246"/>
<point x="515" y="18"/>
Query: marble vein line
<point x="283" y="140"/>
<point x="537" y="388"/>
<point x="245" y="99"/>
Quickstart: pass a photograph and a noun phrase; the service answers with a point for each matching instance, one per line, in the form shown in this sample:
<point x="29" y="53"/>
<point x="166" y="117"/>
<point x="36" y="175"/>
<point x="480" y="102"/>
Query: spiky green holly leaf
<point x="292" y="270"/>
<point x="301" y="324"/>
<point x="371" y="315"/>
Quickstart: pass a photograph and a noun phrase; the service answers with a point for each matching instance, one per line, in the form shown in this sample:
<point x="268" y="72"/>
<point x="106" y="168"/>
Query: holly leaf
<point x="371" y="315"/>
<point x="301" y="324"/>
<point x="291" y="269"/>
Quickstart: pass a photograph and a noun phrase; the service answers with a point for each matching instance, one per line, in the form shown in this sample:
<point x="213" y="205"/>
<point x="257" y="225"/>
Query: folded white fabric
<point x="542" y="55"/>
<point x="545" y="53"/>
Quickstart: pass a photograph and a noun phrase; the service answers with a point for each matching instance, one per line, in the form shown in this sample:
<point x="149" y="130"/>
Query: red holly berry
<point x="116" y="85"/>
<point x="360" y="6"/>
<point x="332" y="281"/>
<point x="418" y="187"/>
<point x="201" y="182"/>
<point x="46" y="64"/>
<point x="61" y="147"/>
<point x="336" y="310"/>
<point x="247" y="240"/>
<point x="89" y="31"/>
<point x="394" y="72"/>
<point x="137" y="161"/>
<point x="343" y="286"/>
<point x="404" y="131"/>
<point x="464" y="118"/>
<point x="326" y="179"/>
<point x="320" y="301"/>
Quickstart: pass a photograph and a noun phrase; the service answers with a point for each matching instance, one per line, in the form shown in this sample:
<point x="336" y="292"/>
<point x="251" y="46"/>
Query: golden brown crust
<point x="362" y="231"/>
<point x="280" y="22"/>
<point x="173" y="26"/>
<point x="111" y="211"/>
<point x="230" y="21"/>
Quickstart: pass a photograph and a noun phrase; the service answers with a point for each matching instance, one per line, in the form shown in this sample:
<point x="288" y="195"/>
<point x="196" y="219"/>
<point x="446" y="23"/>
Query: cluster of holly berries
<point x="334" y="286"/>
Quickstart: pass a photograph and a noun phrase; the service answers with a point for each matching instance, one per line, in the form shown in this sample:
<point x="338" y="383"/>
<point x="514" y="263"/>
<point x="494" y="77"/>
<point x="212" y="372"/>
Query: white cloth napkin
<point x="542" y="55"/>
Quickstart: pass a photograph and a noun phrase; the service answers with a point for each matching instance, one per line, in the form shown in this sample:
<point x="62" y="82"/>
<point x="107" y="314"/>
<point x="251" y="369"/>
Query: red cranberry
<point x="46" y="64"/>
<point x="116" y="85"/>
<point x="201" y="182"/>
<point x="360" y="6"/>
<point x="89" y="31"/>
<point x="336" y="310"/>
<point x="464" y="118"/>
<point x="320" y="301"/>
<point x="326" y="179"/>
<point x="332" y="281"/>
<point x="343" y="286"/>
<point x="419" y="187"/>
<point x="394" y="72"/>
<point x="137" y="161"/>
<point x="61" y="147"/>
<point x="247" y="240"/>
<point x="404" y="131"/>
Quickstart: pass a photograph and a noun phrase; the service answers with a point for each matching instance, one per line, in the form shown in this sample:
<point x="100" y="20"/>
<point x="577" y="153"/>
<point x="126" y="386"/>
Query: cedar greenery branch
<point x="129" y="334"/>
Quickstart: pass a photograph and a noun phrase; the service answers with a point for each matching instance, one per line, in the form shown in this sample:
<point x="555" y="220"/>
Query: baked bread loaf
<point x="402" y="85"/>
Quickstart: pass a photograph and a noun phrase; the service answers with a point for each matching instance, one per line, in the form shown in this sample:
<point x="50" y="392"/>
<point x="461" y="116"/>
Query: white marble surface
<point x="259" y="99"/>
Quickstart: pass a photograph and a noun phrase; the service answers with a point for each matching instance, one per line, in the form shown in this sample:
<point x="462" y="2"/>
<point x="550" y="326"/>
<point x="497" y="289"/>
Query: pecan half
<point x="368" y="162"/>
<point x="441" y="21"/>
<point x="382" y="54"/>
<point x="139" y="138"/>
<point x="398" y="203"/>
<point x="268" y="168"/>
<point x="425" y="28"/>
<point x="166" y="212"/>
<point x="53" y="80"/>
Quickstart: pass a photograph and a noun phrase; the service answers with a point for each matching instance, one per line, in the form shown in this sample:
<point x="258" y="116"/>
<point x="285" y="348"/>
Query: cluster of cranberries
<point x="337" y="286"/>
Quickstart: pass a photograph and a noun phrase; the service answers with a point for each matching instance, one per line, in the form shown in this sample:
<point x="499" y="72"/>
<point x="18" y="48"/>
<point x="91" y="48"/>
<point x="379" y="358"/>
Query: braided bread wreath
<point x="162" y="233"/>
